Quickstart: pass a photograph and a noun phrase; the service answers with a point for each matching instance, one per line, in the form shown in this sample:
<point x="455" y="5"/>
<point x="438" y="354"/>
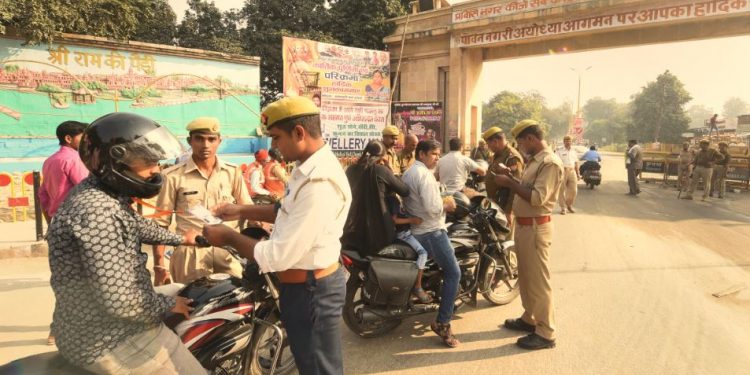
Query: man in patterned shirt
<point x="108" y="318"/>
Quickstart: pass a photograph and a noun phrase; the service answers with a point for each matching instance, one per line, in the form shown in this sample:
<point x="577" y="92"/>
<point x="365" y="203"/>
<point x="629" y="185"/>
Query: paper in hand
<point x="204" y="215"/>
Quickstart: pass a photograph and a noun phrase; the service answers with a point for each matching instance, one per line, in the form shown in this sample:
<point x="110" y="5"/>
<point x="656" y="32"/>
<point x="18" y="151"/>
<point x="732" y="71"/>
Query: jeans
<point x="407" y="237"/>
<point x="439" y="247"/>
<point x="311" y="314"/>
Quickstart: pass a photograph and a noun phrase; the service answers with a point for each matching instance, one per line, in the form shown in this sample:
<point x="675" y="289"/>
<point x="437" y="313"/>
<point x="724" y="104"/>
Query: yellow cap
<point x="723" y="144"/>
<point x="204" y="124"/>
<point x="289" y="107"/>
<point x="490" y="132"/>
<point x="522" y="125"/>
<point x="567" y="138"/>
<point x="705" y="141"/>
<point x="390" y="130"/>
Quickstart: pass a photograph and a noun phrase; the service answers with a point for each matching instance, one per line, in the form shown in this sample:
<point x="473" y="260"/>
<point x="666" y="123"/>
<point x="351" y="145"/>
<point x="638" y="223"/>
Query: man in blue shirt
<point x="591" y="160"/>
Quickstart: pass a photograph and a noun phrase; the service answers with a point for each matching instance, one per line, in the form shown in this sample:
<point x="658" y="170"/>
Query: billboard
<point x="423" y="119"/>
<point x="350" y="85"/>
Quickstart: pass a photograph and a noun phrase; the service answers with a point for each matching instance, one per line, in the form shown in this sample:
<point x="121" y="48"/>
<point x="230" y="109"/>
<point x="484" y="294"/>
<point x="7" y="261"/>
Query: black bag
<point x="389" y="282"/>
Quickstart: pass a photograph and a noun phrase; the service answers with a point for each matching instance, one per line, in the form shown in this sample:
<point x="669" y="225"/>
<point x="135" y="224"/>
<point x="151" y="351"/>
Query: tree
<point x="41" y="21"/>
<point x="160" y="27"/>
<point x="206" y="27"/>
<point x="507" y="108"/>
<point x="267" y="21"/>
<point x="558" y="119"/>
<point x="657" y="111"/>
<point x="698" y="114"/>
<point x="734" y="107"/>
<point x="606" y="119"/>
<point x="364" y="23"/>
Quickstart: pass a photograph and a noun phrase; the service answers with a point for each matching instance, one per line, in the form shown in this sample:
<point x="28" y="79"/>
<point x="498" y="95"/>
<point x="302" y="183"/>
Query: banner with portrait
<point x="350" y="85"/>
<point x="423" y="119"/>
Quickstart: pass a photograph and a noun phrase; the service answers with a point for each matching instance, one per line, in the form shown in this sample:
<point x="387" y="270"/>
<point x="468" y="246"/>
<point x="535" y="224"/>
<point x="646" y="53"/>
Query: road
<point x="633" y="280"/>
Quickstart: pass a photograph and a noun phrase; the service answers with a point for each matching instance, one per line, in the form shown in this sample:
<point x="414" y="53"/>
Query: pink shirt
<point x="60" y="172"/>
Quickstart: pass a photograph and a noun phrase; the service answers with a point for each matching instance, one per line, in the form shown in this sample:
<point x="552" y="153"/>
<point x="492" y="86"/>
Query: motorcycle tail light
<point x="346" y="261"/>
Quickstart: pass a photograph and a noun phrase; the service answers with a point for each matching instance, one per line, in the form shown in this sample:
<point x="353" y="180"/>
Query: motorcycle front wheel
<point x="353" y="303"/>
<point x="263" y="348"/>
<point x="498" y="292"/>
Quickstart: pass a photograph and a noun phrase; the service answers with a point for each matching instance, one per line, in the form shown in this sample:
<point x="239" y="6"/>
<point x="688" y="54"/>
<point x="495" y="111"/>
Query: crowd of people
<point x="107" y="303"/>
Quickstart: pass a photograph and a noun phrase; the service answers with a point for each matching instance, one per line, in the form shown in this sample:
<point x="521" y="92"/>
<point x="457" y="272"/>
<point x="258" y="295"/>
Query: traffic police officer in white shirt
<point x="304" y="247"/>
<point x="453" y="169"/>
<point x="571" y="174"/>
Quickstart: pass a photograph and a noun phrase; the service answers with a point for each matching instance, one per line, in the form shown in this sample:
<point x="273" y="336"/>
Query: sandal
<point x="51" y="340"/>
<point x="445" y="333"/>
<point x="421" y="295"/>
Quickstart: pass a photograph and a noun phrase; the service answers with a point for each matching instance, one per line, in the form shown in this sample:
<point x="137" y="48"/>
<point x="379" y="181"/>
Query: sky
<point x="712" y="70"/>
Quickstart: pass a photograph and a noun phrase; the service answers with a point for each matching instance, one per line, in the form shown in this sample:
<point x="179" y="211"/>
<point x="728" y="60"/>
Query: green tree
<point x="267" y="21"/>
<point x="364" y="23"/>
<point x="159" y="27"/>
<point x="658" y="112"/>
<point x="698" y="114"/>
<point x="606" y="120"/>
<point x="558" y="119"/>
<point x="41" y="21"/>
<point x="49" y="88"/>
<point x="206" y="27"/>
<point x="734" y="107"/>
<point x="507" y="108"/>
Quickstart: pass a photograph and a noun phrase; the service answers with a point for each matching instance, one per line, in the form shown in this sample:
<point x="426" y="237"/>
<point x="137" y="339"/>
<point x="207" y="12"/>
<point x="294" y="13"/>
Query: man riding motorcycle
<point x="591" y="160"/>
<point x="108" y="318"/>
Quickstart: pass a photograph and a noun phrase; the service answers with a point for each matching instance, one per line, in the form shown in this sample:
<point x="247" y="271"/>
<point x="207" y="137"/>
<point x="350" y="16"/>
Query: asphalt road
<point x="633" y="280"/>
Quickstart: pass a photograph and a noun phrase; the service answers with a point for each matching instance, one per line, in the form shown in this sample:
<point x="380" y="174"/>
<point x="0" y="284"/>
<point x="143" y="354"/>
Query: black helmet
<point x="114" y="141"/>
<point x="463" y="205"/>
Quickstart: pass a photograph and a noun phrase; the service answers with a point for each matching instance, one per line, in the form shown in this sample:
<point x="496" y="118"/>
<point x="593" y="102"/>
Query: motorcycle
<point x="378" y="291"/>
<point x="234" y="328"/>
<point x="592" y="175"/>
<point x="475" y="181"/>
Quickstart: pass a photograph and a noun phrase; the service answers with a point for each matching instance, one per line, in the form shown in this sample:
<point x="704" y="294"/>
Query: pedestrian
<point x="634" y="165"/>
<point x="274" y="174"/>
<point x="569" y="187"/>
<point x="703" y="167"/>
<point x="390" y="136"/>
<point x="255" y="177"/>
<point x="718" y="181"/>
<point x="481" y="152"/>
<point x="202" y="180"/>
<point x="453" y="169"/>
<point x="406" y="157"/>
<point x="304" y="247"/>
<point x="684" y="166"/>
<point x="535" y="198"/>
<point x="424" y="202"/>
<point x="62" y="171"/>
<point x="108" y="318"/>
<point x="503" y="154"/>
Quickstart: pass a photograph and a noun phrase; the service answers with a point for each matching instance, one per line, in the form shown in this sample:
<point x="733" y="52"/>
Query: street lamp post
<point x="578" y="106"/>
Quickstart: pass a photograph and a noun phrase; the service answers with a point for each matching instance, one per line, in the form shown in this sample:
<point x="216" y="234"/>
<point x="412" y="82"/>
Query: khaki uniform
<point x="186" y="186"/>
<point x="405" y="161"/>
<point x="683" y="169"/>
<point x="543" y="175"/>
<point x="718" y="182"/>
<point x="704" y="167"/>
<point x="391" y="161"/>
<point x="513" y="160"/>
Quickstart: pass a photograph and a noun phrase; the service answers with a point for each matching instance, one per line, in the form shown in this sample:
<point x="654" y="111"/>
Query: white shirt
<point x="453" y="170"/>
<point x="424" y="200"/>
<point x="568" y="157"/>
<point x="311" y="218"/>
<point x="257" y="180"/>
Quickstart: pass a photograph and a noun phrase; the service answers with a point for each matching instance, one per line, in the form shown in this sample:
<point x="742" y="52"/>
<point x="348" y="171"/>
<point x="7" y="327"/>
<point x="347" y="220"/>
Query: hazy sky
<point x="712" y="70"/>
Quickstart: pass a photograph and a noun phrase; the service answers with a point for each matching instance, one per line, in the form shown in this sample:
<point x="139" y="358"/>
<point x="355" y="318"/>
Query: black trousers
<point x="311" y="314"/>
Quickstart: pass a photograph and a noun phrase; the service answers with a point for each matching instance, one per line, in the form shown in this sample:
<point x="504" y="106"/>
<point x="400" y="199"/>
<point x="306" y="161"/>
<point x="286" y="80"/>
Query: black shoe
<point x="519" y="325"/>
<point x="535" y="342"/>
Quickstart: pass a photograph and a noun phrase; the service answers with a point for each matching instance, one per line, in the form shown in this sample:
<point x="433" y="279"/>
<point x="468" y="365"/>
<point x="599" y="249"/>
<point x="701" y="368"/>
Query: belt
<point x="530" y="220"/>
<point x="297" y="276"/>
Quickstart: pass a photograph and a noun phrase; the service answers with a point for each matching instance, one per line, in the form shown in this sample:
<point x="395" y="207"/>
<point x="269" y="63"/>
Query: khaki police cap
<point x="523" y="125"/>
<point x="390" y="130"/>
<point x="705" y="141"/>
<point x="491" y="132"/>
<point x="287" y="108"/>
<point x="204" y="124"/>
<point x="567" y="138"/>
<point x="723" y="144"/>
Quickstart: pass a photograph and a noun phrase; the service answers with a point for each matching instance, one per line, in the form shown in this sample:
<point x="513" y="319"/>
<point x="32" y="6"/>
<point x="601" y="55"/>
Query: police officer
<point x="505" y="154"/>
<point x="718" y="181"/>
<point x="304" y="247"/>
<point x="203" y="179"/>
<point x="536" y="194"/>
<point x="703" y="167"/>
<point x="390" y="136"/>
<point x="407" y="155"/>
<point x="685" y="160"/>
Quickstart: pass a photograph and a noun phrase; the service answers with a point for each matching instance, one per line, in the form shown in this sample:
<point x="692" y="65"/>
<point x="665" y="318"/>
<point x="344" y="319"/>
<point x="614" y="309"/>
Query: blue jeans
<point x="407" y="237"/>
<point x="439" y="247"/>
<point x="311" y="313"/>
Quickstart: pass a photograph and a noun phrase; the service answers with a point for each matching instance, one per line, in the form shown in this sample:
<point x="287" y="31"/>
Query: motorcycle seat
<point x="398" y="250"/>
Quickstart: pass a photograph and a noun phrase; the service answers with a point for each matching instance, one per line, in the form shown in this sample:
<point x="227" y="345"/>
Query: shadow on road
<point x="12" y="344"/>
<point x="18" y="284"/>
<point x="6" y="329"/>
